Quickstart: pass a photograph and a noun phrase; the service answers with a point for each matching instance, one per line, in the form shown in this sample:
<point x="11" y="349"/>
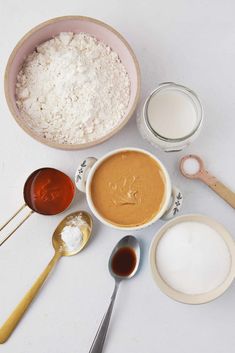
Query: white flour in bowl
<point x="73" y="89"/>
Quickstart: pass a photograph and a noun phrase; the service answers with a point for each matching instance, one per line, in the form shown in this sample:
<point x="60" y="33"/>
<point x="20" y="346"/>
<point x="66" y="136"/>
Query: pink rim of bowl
<point x="76" y="24"/>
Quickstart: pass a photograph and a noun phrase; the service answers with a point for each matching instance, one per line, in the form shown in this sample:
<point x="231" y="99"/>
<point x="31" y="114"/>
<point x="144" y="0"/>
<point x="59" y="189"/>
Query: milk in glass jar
<point x="171" y="117"/>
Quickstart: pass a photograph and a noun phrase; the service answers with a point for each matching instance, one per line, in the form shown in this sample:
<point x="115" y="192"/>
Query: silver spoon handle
<point x="98" y="343"/>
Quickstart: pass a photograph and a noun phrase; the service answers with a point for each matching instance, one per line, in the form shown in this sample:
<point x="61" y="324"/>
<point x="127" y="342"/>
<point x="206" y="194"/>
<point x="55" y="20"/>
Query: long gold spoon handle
<point x="11" y="323"/>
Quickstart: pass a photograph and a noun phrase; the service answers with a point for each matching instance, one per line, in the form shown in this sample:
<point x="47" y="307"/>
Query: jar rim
<point x="187" y="91"/>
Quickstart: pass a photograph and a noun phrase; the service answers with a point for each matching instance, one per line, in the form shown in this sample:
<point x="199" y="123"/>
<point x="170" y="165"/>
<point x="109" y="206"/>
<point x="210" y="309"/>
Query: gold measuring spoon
<point x="47" y="191"/>
<point x="192" y="167"/>
<point x="61" y="249"/>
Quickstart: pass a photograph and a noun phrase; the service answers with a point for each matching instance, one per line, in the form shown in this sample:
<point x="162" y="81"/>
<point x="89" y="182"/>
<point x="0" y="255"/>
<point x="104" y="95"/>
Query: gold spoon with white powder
<point x="69" y="238"/>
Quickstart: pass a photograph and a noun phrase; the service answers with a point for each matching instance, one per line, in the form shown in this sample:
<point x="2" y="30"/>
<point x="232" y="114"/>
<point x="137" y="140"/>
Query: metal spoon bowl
<point x="29" y="200"/>
<point x="130" y="242"/>
<point x="57" y="241"/>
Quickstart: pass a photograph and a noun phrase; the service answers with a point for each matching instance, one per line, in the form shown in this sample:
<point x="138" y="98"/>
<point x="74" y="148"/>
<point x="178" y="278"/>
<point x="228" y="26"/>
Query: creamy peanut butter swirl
<point x="128" y="188"/>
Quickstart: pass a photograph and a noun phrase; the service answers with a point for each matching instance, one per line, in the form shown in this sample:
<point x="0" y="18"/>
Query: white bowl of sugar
<point x="193" y="259"/>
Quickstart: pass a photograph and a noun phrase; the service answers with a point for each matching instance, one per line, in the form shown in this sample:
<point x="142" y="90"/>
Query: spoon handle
<point x="217" y="186"/>
<point x="98" y="343"/>
<point x="224" y="192"/>
<point x="17" y="226"/>
<point x="12" y="321"/>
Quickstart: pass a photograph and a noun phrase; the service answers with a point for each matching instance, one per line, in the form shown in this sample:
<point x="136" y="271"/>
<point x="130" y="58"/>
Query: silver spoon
<point x="119" y="257"/>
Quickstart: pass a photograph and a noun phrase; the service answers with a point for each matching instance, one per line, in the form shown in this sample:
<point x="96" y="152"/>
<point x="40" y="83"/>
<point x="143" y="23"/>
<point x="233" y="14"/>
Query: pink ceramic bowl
<point x="75" y="24"/>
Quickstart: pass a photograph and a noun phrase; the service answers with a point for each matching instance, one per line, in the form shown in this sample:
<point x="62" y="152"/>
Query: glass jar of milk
<point x="171" y="117"/>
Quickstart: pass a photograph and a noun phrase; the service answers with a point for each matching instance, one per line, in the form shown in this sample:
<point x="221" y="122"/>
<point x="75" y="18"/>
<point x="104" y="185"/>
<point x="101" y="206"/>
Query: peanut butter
<point x="128" y="188"/>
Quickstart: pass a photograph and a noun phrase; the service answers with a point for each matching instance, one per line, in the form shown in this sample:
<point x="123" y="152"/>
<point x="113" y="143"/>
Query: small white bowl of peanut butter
<point x="128" y="189"/>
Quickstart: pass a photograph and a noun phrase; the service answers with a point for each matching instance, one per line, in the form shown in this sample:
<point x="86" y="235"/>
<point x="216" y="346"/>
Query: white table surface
<point x="190" y="42"/>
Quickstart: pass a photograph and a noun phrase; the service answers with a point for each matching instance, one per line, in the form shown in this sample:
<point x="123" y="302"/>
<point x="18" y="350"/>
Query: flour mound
<point x="73" y="89"/>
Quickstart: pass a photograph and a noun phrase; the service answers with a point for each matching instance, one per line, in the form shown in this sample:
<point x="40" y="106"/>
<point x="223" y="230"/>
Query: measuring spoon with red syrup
<point x="47" y="191"/>
<point x="123" y="264"/>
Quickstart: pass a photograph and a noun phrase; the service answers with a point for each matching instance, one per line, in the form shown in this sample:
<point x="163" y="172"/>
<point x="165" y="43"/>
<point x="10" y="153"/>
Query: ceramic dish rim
<point x="31" y="132"/>
<point x="187" y="298"/>
<point x="168" y="187"/>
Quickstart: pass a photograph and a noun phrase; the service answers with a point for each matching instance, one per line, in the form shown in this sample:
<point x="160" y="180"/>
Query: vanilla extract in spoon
<point x="124" y="261"/>
<point x="123" y="264"/>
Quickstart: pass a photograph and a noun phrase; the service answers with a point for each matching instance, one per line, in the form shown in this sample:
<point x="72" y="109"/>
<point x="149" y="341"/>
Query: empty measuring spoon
<point x="192" y="167"/>
<point x="47" y="191"/>
<point x="61" y="249"/>
<point x="123" y="264"/>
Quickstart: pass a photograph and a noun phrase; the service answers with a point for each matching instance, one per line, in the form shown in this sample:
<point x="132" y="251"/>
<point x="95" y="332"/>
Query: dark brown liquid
<point x="124" y="261"/>
<point x="48" y="191"/>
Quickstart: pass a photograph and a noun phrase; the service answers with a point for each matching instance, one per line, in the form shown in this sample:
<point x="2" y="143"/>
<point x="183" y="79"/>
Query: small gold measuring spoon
<point x="198" y="171"/>
<point x="43" y="193"/>
<point x="60" y="250"/>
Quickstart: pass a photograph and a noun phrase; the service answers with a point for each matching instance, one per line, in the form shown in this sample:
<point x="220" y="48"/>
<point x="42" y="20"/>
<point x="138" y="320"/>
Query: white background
<point x="189" y="42"/>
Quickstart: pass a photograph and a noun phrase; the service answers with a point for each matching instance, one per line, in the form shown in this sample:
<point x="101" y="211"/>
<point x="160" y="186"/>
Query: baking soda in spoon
<point x="193" y="258"/>
<point x="72" y="234"/>
<point x="68" y="246"/>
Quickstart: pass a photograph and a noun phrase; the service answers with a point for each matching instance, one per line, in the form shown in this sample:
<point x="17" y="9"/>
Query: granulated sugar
<point x="193" y="258"/>
<point x="191" y="166"/>
<point x="73" y="89"/>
